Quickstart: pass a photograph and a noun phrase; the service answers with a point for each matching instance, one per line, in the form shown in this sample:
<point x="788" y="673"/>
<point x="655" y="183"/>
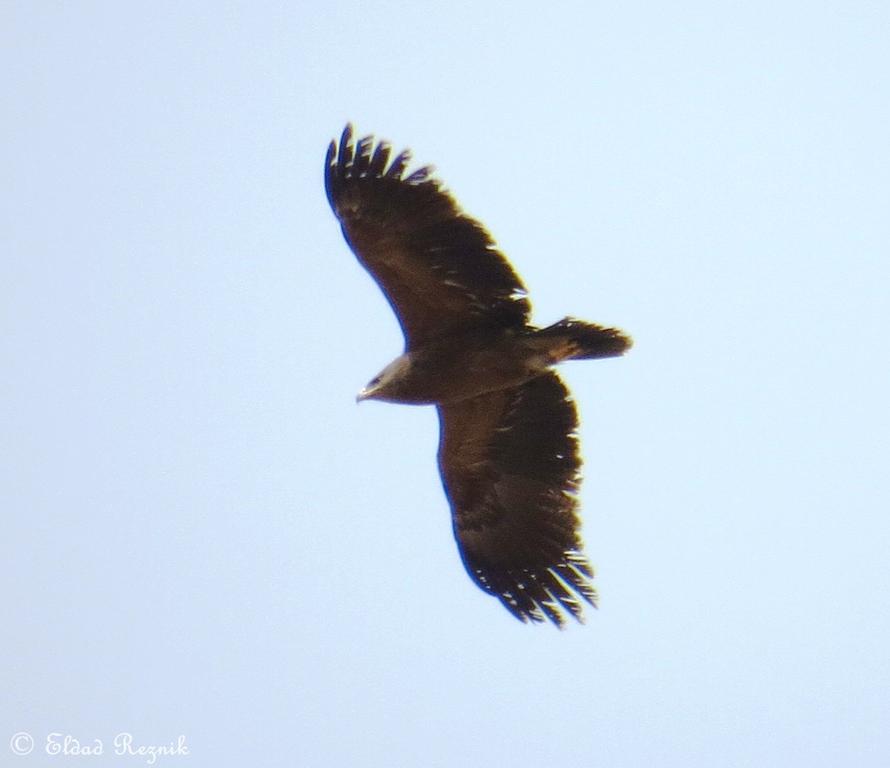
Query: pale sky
<point x="203" y="535"/>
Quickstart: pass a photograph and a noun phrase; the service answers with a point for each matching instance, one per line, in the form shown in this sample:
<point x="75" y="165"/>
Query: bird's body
<point x="508" y="448"/>
<point x="475" y="363"/>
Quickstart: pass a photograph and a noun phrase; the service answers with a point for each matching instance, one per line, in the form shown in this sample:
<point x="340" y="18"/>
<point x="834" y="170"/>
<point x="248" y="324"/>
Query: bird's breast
<point x="466" y="366"/>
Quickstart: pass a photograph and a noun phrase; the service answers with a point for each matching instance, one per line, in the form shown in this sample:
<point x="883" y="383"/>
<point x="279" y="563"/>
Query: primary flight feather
<point x="508" y="449"/>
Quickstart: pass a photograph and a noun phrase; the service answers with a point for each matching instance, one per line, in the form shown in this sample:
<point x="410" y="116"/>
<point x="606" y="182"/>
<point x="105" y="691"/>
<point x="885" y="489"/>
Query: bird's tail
<point x="571" y="339"/>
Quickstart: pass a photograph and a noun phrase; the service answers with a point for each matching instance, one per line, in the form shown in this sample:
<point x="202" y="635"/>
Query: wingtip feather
<point x="367" y="158"/>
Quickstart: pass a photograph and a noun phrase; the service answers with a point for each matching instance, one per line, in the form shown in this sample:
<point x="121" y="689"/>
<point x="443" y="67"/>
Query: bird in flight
<point x="508" y="446"/>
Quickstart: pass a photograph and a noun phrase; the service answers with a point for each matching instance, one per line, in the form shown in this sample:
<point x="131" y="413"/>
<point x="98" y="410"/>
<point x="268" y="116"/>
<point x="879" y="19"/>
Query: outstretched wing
<point x="510" y="468"/>
<point x="439" y="269"/>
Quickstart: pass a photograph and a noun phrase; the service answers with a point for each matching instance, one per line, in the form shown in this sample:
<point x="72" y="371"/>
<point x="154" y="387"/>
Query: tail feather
<point x="577" y="340"/>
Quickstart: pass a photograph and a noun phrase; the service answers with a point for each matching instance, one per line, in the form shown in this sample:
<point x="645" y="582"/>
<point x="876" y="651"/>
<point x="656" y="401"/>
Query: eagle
<point x="508" y="444"/>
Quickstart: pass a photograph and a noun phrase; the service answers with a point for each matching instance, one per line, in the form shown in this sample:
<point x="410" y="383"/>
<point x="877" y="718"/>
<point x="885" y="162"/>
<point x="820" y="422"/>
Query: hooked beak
<point x="371" y="390"/>
<point x="366" y="393"/>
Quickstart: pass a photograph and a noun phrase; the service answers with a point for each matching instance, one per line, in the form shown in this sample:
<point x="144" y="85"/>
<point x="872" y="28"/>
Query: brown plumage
<point x="508" y="450"/>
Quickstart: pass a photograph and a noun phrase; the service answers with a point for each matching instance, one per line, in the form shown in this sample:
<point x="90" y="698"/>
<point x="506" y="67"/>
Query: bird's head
<point x="388" y="384"/>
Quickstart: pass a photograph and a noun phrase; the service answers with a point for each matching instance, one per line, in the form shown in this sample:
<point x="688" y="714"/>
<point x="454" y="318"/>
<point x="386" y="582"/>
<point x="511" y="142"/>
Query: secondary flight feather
<point x="508" y="448"/>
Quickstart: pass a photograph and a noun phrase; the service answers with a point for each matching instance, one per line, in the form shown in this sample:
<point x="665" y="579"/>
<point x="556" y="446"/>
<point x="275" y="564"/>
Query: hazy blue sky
<point x="202" y="534"/>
